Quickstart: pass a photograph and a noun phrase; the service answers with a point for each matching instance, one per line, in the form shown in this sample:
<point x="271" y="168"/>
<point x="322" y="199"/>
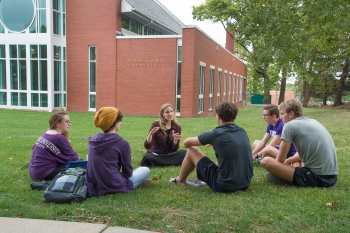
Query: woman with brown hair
<point x="52" y="151"/>
<point x="163" y="140"/>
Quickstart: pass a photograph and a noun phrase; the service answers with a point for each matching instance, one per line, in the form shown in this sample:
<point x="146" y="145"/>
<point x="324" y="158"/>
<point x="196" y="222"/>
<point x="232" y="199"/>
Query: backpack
<point x="67" y="186"/>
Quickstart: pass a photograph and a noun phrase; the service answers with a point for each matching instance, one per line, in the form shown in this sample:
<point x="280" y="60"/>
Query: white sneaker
<point x="272" y="178"/>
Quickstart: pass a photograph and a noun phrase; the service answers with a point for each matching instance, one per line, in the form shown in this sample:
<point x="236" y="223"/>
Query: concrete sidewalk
<point x="25" y="225"/>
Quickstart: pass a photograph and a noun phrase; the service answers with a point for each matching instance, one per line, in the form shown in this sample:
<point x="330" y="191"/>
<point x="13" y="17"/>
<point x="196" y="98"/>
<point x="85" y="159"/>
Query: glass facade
<point x="137" y="27"/>
<point x="59" y="76"/>
<point x="59" y="17"/>
<point x="17" y="15"/>
<point x="39" y="23"/>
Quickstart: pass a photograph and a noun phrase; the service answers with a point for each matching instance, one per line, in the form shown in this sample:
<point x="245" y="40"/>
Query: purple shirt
<point x="163" y="143"/>
<point x="277" y="130"/>
<point x="49" y="152"/>
<point x="109" y="166"/>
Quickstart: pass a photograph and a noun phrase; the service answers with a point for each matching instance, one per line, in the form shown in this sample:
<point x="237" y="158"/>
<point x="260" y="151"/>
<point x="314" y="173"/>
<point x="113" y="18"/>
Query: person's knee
<point x="255" y="143"/>
<point x="268" y="151"/>
<point x="192" y="151"/>
<point x="266" y="162"/>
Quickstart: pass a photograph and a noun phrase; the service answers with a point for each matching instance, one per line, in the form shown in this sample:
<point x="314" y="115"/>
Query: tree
<point x="312" y="37"/>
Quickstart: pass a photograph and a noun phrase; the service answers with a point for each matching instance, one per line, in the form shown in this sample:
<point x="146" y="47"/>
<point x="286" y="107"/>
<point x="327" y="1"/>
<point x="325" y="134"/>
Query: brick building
<point x="131" y="54"/>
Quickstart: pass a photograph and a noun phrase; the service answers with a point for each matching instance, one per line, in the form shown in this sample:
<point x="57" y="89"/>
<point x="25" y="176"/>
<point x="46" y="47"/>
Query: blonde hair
<point x="55" y="118"/>
<point x="292" y="105"/>
<point x="162" y="120"/>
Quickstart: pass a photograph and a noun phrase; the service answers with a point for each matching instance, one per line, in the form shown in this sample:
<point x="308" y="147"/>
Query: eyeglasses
<point x="66" y="122"/>
<point x="266" y="115"/>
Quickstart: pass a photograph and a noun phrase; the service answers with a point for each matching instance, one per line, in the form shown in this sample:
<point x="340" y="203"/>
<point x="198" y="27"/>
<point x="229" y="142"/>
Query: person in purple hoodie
<point x="109" y="169"/>
<point x="52" y="151"/>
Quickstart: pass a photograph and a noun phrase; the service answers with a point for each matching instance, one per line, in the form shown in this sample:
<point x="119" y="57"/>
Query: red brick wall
<point x="197" y="48"/>
<point x="146" y="75"/>
<point x="91" y="23"/>
<point x="138" y="75"/>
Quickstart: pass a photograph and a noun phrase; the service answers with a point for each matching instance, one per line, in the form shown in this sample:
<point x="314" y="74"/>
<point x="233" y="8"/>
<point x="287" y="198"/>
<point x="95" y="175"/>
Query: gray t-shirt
<point x="314" y="144"/>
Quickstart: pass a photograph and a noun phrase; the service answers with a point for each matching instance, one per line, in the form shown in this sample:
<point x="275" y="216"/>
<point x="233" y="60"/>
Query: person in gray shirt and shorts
<point x="314" y="144"/>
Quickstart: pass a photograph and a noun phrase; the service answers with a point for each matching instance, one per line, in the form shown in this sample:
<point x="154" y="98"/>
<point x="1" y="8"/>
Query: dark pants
<point x="56" y="171"/>
<point x="152" y="159"/>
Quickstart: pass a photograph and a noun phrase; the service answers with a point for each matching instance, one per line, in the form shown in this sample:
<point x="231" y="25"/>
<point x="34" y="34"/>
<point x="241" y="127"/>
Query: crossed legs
<point x="281" y="170"/>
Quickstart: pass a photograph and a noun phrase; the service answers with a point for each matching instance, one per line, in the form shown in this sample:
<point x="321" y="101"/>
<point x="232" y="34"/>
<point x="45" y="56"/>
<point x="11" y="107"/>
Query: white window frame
<point x="202" y="66"/>
<point x="218" y="99"/>
<point x="211" y="87"/>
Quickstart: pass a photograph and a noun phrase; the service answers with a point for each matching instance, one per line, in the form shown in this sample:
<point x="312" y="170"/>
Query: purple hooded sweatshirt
<point x="109" y="166"/>
<point x="49" y="152"/>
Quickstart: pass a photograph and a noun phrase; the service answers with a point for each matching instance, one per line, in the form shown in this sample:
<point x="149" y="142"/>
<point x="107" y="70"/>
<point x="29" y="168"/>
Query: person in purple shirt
<point x="109" y="168"/>
<point x="274" y="132"/>
<point x="163" y="141"/>
<point x="52" y="151"/>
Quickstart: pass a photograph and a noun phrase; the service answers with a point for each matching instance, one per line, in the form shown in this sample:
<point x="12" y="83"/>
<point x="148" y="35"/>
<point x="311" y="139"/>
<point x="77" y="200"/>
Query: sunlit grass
<point x="264" y="207"/>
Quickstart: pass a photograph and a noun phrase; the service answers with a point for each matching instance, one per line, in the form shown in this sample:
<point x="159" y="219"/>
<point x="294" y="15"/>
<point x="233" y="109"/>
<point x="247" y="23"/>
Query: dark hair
<point x="273" y="109"/>
<point x="227" y="111"/>
<point x="118" y="119"/>
<point x="55" y="118"/>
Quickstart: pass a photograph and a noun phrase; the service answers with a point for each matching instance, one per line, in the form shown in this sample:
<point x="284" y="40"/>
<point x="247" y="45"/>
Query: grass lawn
<point x="166" y="207"/>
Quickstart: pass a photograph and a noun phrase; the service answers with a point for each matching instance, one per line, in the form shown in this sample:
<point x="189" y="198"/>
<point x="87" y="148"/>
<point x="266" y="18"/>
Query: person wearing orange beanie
<point x="109" y="169"/>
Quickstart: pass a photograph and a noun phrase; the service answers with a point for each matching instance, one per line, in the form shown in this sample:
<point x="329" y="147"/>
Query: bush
<point x="313" y="105"/>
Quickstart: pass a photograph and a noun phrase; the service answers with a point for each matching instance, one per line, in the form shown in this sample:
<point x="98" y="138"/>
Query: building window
<point x="39" y="23"/>
<point x="2" y="68"/>
<point x="231" y="86"/>
<point x="211" y="87"/>
<point x="92" y="78"/>
<point x="18" y="71"/>
<point x="201" y="87"/>
<point x="240" y="88"/>
<point x="219" y="87"/>
<point x="137" y="27"/>
<point x="38" y="75"/>
<point x="59" y="76"/>
<point x="59" y="17"/>
<point x="225" y="85"/>
<point x="228" y="87"/>
<point x="17" y="15"/>
<point x="237" y="85"/>
<point x="178" y="78"/>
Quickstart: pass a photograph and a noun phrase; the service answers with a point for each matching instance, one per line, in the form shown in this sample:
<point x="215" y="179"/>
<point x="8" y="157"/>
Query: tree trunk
<point x="324" y="100"/>
<point x="307" y="92"/>
<point x="340" y="89"/>
<point x="283" y="86"/>
<point x="267" y="99"/>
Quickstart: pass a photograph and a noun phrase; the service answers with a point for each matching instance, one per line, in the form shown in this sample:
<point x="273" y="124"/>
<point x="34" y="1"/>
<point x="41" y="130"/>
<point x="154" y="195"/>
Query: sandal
<point x="173" y="180"/>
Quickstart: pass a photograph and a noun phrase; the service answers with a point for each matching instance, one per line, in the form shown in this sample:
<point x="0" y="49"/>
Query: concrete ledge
<point x="44" y="226"/>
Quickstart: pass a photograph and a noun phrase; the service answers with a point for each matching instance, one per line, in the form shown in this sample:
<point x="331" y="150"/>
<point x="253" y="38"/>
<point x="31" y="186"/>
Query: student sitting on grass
<point x="315" y="147"/>
<point x="109" y="168"/>
<point x="273" y="131"/>
<point x="52" y="151"/>
<point x="163" y="141"/>
<point x="234" y="168"/>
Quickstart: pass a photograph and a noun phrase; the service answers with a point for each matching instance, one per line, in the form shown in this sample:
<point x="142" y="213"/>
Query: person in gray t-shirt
<point x="314" y="144"/>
